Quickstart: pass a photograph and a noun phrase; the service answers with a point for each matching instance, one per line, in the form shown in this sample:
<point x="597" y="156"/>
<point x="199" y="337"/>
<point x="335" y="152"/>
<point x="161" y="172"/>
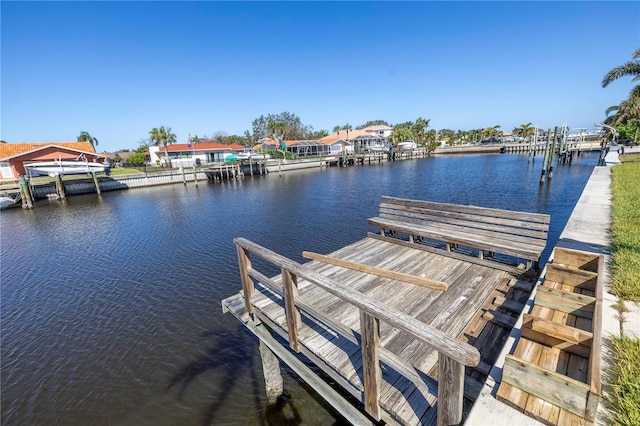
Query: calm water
<point x="111" y="306"/>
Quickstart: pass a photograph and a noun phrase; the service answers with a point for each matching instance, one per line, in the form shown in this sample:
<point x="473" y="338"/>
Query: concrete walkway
<point x="588" y="229"/>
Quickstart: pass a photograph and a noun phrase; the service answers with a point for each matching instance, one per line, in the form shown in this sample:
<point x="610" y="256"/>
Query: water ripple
<point x="110" y="305"/>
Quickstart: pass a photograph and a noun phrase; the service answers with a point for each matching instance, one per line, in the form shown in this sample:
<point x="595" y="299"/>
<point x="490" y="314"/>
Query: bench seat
<point x="519" y="234"/>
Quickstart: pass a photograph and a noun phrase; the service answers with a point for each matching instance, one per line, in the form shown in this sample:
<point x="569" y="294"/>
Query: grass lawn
<point x="624" y="401"/>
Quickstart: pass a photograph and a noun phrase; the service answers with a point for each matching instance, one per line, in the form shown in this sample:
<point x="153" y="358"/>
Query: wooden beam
<point x="368" y="269"/>
<point x="573" y="303"/>
<point x="458" y="256"/>
<point x="555" y="388"/>
<point x="248" y="288"/>
<point x="500" y="319"/>
<point x="337" y="401"/>
<point x="372" y="372"/>
<point x="571" y="276"/>
<point x="528" y="333"/>
<point x="290" y="287"/>
<point x="450" y="391"/>
<point x="509" y="304"/>
<point x="577" y="259"/>
<point x="558" y="331"/>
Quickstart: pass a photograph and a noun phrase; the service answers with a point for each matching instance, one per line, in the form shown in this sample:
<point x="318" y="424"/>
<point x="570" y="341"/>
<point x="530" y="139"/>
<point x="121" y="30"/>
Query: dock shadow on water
<point x="229" y="369"/>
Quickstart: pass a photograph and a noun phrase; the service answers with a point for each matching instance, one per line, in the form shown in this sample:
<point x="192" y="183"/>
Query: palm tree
<point x="347" y="127"/>
<point x="277" y="130"/>
<point x="628" y="109"/>
<point x="86" y="137"/>
<point x="420" y="128"/>
<point x="524" y="131"/>
<point x="162" y="136"/>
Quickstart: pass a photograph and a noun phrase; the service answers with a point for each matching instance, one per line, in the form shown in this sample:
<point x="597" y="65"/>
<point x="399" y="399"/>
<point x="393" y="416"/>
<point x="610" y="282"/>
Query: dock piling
<point x="552" y="151"/>
<point x="95" y="182"/>
<point x="272" y="377"/>
<point x="60" y="186"/>
<point x="25" y="194"/>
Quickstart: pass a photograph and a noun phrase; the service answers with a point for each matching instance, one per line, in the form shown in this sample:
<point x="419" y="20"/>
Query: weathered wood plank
<point x="521" y="285"/>
<point x="244" y="262"/>
<point x="501" y="319"/>
<point x="558" y="331"/>
<point x="542" y="410"/>
<point x="528" y="333"/>
<point x="455" y="223"/>
<point x="571" y="276"/>
<point x="508" y="304"/>
<point x="493" y="212"/>
<point x="573" y="303"/>
<point x="576" y="259"/>
<point x="458" y="256"/>
<point x="412" y="279"/>
<point x="539" y="408"/>
<point x="560" y="390"/>
<point x="594" y="376"/>
<point x="372" y="374"/>
<point x="569" y="419"/>
<point x="520" y="250"/>
<point x="292" y="311"/>
<point x="513" y="395"/>
<point x="450" y="391"/>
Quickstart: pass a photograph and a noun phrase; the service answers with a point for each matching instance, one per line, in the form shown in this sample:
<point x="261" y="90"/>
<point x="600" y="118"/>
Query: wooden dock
<point x="384" y="319"/>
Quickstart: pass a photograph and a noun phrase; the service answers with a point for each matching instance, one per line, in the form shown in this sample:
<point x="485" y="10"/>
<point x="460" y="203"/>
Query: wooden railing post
<point x="290" y="290"/>
<point x="450" y="391"/>
<point x="248" y="287"/>
<point x="371" y="371"/>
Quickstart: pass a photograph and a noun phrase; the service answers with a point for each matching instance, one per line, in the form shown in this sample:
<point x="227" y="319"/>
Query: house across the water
<point x="13" y="156"/>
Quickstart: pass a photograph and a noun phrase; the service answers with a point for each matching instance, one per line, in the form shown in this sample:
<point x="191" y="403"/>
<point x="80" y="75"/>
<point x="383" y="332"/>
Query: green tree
<point x="629" y="109"/>
<point x="420" y="129"/>
<point x="372" y="123"/>
<point x="137" y="158"/>
<point x="402" y="133"/>
<point x="294" y="129"/>
<point x="86" y="137"/>
<point x="316" y="134"/>
<point x="277" y="130"/>
<point x="490" y="132"/>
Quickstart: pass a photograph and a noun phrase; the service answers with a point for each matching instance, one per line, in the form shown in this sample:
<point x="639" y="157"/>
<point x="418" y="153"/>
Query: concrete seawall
<point x="587" y="229"/>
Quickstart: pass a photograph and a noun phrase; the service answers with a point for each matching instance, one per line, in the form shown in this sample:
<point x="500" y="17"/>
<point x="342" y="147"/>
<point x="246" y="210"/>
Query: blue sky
<point x="118" y="69"/>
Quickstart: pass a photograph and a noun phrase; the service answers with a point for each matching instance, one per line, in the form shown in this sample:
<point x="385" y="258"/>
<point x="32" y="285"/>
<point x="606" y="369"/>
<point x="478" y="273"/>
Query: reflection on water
<point x="111" y="305"/>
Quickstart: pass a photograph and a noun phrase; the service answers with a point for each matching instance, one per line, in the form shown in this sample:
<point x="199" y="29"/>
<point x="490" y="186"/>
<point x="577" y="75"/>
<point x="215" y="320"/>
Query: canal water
<point x="111" y="305"/>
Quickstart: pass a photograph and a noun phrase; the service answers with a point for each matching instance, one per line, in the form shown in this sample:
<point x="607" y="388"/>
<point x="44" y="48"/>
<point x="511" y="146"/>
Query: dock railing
<point x="453" y="355"/>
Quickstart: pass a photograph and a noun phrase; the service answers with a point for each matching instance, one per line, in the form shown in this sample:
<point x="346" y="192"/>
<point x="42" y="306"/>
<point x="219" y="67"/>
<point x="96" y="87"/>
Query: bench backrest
<point x="472" y="219"/>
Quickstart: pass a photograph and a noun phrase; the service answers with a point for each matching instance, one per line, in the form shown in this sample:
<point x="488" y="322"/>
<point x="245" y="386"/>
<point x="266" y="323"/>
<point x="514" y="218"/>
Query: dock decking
<point x="423" y="331"/>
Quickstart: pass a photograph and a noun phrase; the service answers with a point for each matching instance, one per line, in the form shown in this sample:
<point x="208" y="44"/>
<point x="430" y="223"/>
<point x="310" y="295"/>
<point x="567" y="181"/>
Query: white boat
<point x="64" y="167"/>
<point x="407" y="146"/>
<point x="6" y="201"/>
<point x="250" y="155"/>
<point x="275" y="166"/>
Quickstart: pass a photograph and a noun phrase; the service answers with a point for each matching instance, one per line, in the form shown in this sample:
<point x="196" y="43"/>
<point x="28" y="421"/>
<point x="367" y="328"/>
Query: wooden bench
<point x="519" y="234"/>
